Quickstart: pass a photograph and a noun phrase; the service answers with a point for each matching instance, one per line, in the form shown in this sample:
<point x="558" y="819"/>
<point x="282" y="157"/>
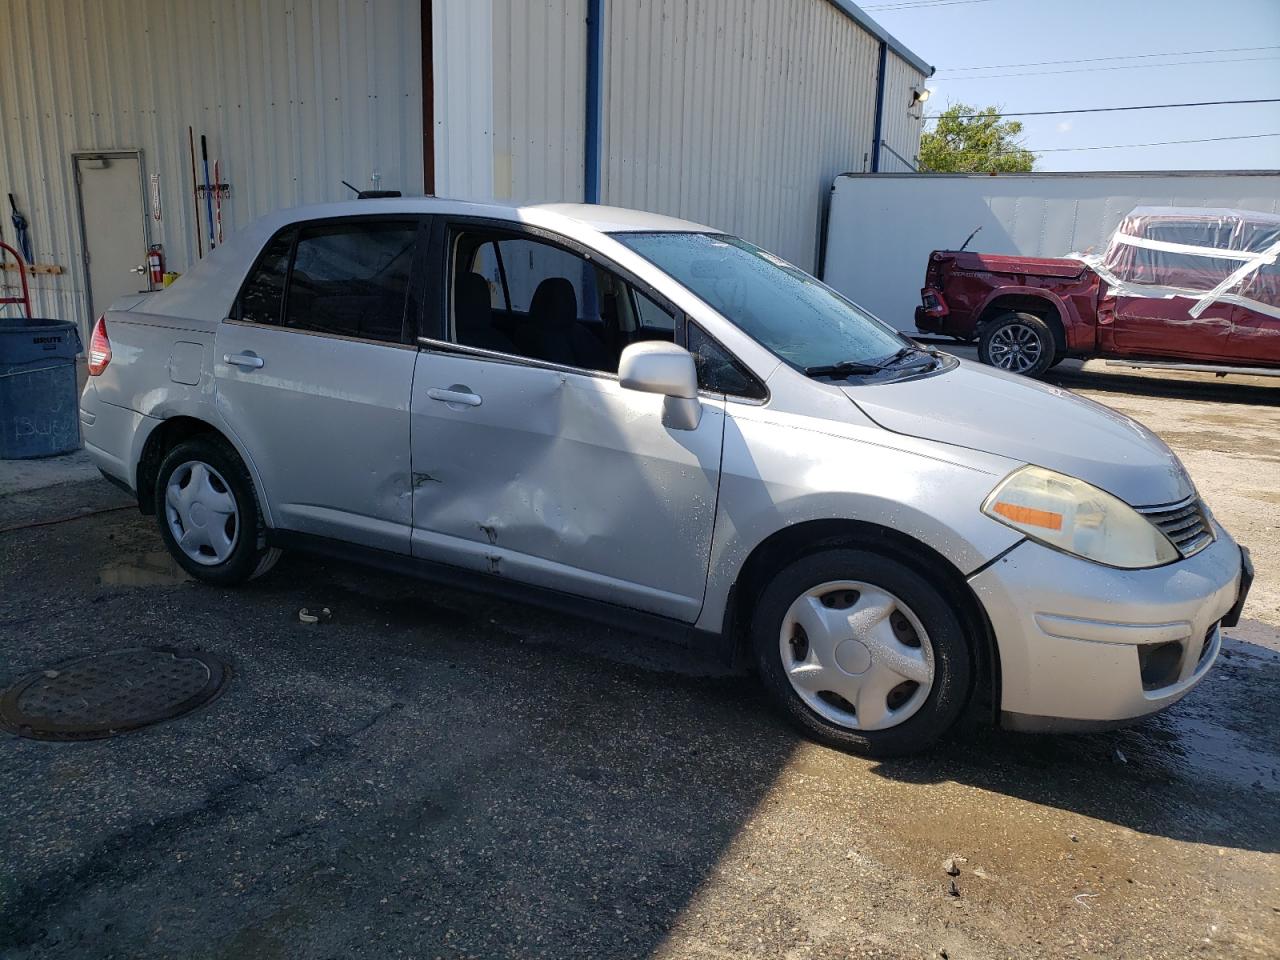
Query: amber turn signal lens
<point x="1030" y="516"/>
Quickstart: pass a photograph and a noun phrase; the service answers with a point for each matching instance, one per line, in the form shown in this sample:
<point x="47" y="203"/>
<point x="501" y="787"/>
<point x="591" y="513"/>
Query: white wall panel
<point x="462" y="42"/>
<point x="293" y="97"/>
<point x="539" y="97"/>
<point x="902" y="123"/>
<point x="736" y="113"/>
<point x="883" y="228"/>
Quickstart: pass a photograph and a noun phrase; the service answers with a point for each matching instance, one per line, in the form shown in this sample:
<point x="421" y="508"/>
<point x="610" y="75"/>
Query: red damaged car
<point x="1192" y="289"/>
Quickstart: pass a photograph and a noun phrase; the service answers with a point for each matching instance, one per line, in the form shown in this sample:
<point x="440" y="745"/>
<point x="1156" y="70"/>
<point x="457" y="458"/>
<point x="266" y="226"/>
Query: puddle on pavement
<point x="154" y="568"/>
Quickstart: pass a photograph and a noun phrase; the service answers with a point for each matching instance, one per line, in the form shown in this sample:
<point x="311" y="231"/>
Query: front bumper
<point x="1084" y="646"/>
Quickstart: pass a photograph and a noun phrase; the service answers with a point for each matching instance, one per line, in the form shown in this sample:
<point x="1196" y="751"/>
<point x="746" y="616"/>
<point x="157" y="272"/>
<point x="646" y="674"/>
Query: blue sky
<point x="954" y="34"/>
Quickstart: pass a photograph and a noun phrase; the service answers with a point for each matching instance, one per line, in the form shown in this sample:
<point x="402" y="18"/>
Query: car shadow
<point x="1205" y="771"/>
<point x="1074" y="376"/>
<point x="1176" y="385"/>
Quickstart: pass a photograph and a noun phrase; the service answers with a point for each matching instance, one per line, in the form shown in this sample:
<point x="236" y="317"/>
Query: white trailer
<point x="882" y="227"/>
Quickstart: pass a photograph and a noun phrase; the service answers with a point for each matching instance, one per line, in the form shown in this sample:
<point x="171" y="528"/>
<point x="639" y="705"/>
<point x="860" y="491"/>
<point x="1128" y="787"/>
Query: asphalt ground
<point x="434" y="774"/>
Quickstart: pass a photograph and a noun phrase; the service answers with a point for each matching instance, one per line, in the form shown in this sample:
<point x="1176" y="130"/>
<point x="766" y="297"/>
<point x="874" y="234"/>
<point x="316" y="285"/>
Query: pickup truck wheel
<point x="208" y="513"/>
<point x="862" y="652"/>
<point x="1017" y="342"/>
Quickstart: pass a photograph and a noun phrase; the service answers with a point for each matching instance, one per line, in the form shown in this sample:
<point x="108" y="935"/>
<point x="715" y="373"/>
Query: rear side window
<point x="349" y="278"/>
<point x="352" y="279"/>
<point x="263" y="293"/>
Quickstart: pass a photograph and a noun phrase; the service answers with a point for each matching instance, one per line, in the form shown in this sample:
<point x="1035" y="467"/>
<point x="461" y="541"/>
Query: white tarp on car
<point x="1201" y="254"/>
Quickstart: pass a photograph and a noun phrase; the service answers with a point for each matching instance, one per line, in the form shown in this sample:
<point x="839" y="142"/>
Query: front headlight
<point x="1078" y="518"/>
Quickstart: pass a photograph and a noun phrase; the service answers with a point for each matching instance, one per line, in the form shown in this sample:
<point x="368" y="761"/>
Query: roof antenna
<point x="962" y="246"/>
<point x="370" y="194"/>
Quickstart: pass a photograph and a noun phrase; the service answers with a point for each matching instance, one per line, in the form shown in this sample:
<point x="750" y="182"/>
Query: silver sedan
<point x="653" y="422"/>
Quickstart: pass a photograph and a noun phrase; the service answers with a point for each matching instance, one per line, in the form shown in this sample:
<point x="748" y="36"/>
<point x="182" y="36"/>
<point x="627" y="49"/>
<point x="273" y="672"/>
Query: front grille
<point x="1184" y="523"/>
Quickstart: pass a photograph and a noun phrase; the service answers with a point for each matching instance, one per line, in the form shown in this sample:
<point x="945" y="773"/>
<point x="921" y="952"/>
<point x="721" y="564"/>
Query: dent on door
<point x="563" y="480"/>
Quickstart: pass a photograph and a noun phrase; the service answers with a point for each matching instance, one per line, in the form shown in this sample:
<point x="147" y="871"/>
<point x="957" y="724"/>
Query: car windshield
<point x="791" y="313"/>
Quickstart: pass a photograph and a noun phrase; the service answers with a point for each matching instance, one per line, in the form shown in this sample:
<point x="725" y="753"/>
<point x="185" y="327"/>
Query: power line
<point x="1115" y="146"/>
<point x="920" y="5"/>
<point x="1145" y="106"/>
<point x="1127" y="56"/>
<point x="1123" y="66"/>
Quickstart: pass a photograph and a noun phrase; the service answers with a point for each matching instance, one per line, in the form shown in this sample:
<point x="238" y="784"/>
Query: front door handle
<point x="456" y="394"/>
<point x="247" y="359"/>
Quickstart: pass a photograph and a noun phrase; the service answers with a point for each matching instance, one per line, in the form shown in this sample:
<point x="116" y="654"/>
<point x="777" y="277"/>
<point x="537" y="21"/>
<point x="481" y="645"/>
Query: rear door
<point x="1152" y="326"/>
<point x="531" y="460"/>
<point x="313" y="371"/>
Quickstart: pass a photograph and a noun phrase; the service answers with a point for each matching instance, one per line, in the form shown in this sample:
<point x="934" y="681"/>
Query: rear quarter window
<point x="262" y="295"/>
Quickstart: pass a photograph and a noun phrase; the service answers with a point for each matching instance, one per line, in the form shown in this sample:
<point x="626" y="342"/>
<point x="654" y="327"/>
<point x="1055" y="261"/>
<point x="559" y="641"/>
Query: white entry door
<point x="114" y="221"/>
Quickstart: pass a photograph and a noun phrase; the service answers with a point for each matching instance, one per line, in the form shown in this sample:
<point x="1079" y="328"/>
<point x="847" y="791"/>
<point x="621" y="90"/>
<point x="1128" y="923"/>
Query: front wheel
<point x="1017" y="342"/>
<point x="862" y="652"/>
<point x="208" y="513"/>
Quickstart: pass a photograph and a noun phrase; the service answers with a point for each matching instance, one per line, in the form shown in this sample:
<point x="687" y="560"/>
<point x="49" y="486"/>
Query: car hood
<point x="992" y="411"/>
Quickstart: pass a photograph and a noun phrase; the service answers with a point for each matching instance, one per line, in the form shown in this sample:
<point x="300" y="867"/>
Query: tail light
<point x="99" y="347"/>
<point x="933" y="303"/>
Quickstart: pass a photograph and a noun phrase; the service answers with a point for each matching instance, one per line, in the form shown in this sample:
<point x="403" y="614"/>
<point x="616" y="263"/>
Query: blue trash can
<point x="39" y="402"/>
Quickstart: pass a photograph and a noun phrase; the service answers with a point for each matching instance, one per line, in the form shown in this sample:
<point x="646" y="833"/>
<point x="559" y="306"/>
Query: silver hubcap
<point x="202" y="513"/>
<point x="857" y="655"/>
<point x="1015" y="347"/>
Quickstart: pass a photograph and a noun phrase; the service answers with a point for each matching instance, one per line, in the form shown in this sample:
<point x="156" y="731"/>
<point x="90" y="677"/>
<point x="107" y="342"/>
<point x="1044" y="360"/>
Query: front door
<point x="313" y="371"/>
<point x="114" y="226"/>
<point x="1255" y="335"/>
<point x="531" y="461"/>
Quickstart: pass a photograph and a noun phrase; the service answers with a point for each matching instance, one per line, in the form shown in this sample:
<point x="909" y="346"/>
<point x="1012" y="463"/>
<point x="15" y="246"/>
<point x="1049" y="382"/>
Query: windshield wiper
<point x="845" y="368"/>
<point x="921" y="357"/>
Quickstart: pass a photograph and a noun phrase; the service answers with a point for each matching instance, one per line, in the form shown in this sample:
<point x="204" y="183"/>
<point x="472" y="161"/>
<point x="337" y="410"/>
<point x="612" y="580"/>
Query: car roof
<point x="593" y="216"/>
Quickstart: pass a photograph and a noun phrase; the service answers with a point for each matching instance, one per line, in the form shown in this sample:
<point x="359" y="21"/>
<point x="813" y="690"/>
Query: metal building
<point x="737" y="113"/>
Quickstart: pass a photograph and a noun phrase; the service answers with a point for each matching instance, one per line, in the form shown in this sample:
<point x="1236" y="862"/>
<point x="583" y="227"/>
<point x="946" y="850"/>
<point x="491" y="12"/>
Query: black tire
<point x="1018" y="343"/>
<point x="952" y="659"/>
<point x="250" y="556"/>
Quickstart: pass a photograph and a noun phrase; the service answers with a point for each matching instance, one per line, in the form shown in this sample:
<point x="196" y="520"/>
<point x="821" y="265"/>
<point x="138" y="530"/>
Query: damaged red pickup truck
<point x="1183" y="288"/>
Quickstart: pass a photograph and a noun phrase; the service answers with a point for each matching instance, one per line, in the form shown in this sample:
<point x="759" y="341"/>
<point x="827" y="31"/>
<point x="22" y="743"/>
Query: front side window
<point x="530" y="298"/>
<point x="796" y="316"/>
<point x="719" y="370"/>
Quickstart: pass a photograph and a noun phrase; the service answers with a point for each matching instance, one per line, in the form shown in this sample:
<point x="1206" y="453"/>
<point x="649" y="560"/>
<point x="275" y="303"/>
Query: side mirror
<point x="655" y="366"/>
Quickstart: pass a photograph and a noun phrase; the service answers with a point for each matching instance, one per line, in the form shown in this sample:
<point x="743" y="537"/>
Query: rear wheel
<point x="862" y="652"/>
<point x="1017" y="342"/>
<point x="208" y="513"/>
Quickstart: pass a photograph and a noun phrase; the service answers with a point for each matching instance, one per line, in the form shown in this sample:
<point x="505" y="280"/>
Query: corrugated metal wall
<point x="539" y="96"/>
<point x="736" y="113"/>
<point x="294" y="97"/>
<point x="462" y="58"/>
<point x="901" y="124"/>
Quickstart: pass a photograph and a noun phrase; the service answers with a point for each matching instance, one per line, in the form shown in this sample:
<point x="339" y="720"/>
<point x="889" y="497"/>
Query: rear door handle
<point x="247" y="359"/>
<point x="455" y="394"/>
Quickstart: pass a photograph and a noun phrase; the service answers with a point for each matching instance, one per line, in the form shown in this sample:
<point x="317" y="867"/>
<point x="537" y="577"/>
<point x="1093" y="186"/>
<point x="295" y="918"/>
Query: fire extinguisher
<point x="155" y="264"/>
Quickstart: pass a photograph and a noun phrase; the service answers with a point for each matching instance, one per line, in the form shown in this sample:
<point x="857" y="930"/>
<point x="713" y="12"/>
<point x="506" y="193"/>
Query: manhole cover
<point x="109" y="693"/>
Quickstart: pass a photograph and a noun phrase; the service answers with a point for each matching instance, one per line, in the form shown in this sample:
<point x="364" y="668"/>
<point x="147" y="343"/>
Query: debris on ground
<point x="1081" y="898"/>
<point x="950" y="867"/>
<point x="321" y="615"/>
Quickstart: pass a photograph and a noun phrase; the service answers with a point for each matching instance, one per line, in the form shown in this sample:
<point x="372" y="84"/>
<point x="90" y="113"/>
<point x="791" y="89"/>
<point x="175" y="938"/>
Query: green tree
<point x="968" y="140"/>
